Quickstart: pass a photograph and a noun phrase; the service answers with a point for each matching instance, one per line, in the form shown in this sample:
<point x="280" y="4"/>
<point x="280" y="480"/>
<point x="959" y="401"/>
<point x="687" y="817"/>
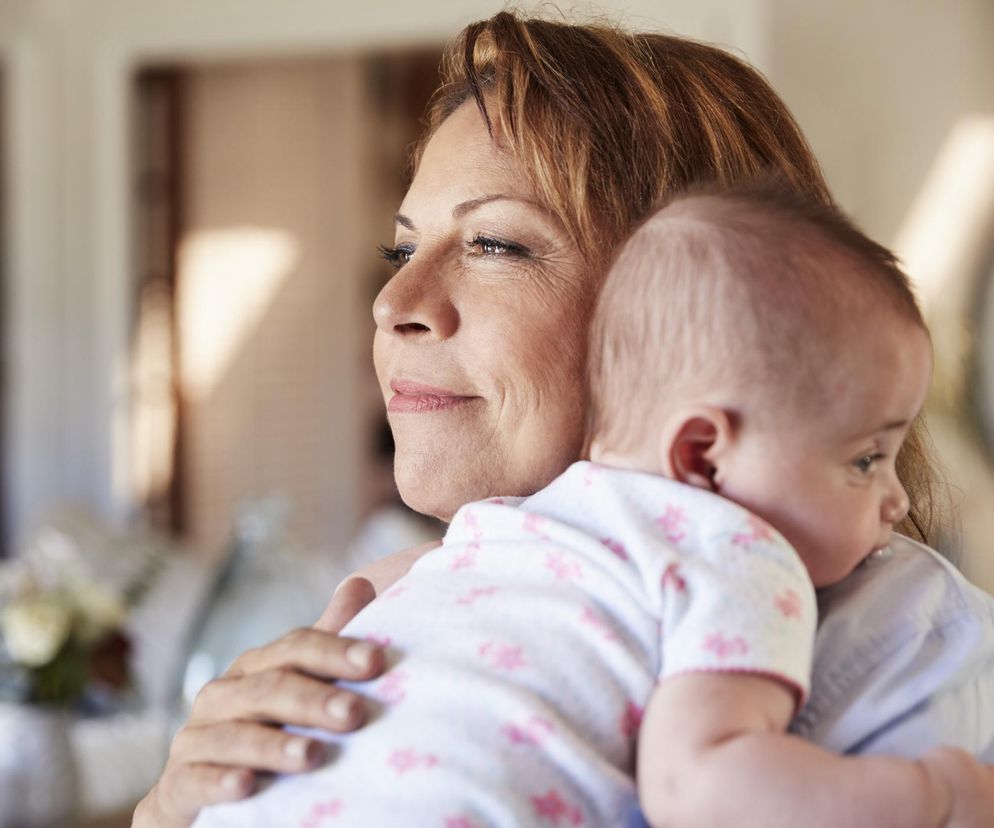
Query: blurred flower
<point x="109" y="661"/>
<point x="100" y="612"/>
<point x="63" y="608"/>
<point x="35" y="628"/>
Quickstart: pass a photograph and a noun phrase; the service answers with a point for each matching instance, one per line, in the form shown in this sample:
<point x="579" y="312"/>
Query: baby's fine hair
<point x="745" y="298"/>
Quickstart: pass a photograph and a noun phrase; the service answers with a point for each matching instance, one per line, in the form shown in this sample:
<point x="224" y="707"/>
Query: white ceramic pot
<point x="38" y="782"/>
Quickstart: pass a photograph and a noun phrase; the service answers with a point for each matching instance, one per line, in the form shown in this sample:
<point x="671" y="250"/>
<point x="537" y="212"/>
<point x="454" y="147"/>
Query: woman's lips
<point x="415" y="398"/>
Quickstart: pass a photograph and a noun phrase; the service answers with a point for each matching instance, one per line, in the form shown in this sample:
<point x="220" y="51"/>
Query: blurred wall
<point x="877" y="87"/>
<point x="277" y="230"/>
<point x="874" y="85"/>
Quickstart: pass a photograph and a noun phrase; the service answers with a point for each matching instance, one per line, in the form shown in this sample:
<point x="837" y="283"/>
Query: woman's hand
<point x="234" y="730"/>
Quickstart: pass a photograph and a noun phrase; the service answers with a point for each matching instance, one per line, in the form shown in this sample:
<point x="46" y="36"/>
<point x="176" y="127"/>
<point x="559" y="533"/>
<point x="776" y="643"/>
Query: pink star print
<point x="391" y="688"/>
<point x="552" y="808"/>
<point x="671" y="522"/>
<point x="533" y="732"/>
<point x="460" y="822"/>
<point x="758" y="530"/>
<point x="533" y="523"/>
<point x="476" y="593"/>
<point x="588" y="475"/>
<point x="395" y="592"/>
<point x="789" y="604"/>
<point x="672" y="577"/>
<point x="464" y="560"/>
<point x="320" y="810"/>
<point x="631" y="720"/>
<point x="724" y="647"/>
<point x="563" y="569"/>
<point x="594" y="619"/>
<point x="616" y="547"/>
<point x="502" y="656"/>
<point x="403" y="760"/>
<point x="473" y="522"/>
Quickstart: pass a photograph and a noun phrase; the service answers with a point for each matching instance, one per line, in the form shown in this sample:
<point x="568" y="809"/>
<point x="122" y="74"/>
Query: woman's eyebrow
<point x="465" y="207"/>
<point x="468" y="206"/>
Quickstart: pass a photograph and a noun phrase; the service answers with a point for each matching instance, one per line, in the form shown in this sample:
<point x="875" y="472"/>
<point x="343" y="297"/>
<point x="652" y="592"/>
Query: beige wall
<point x="877" y="86"/>
<point x="271" y="339"/>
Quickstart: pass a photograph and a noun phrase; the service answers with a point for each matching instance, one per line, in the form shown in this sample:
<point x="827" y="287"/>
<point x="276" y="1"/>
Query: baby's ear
<point x="692" y="444"/>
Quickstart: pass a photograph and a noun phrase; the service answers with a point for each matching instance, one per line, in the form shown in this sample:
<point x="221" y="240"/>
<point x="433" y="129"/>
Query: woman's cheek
<point x="548" y="393"/>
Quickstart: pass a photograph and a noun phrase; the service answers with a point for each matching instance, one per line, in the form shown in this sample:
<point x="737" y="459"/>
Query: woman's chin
<point x="431" y="488"/>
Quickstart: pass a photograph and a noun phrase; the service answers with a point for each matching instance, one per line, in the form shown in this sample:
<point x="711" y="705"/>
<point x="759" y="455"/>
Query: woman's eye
<point x="487" y="246"/>
<point x="397" y="256"/>
<point x="866" y="463"/>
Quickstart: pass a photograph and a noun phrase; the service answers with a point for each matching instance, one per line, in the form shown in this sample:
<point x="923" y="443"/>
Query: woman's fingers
<point x="278" y="695"/>
<point x="313" y="651"/>
<point x="249" y="745"/>
<point x="351" y="596"/>
<point x="228" y="737"/>
<point x="185" y="789"/>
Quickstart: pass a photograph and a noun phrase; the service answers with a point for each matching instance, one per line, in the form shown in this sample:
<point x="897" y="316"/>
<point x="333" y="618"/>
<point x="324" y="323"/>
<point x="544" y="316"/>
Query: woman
<point x="545" y="145"/>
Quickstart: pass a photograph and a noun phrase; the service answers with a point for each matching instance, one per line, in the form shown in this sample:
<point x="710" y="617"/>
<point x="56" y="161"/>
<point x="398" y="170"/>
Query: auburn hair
<point x="610" y="123"/>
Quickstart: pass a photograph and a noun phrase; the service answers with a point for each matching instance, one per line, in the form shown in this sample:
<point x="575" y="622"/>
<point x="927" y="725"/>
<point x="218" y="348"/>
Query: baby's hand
<point x="970" y="785"/>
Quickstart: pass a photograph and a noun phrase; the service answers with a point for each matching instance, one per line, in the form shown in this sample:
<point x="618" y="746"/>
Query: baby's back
<point x="521" y="654"/>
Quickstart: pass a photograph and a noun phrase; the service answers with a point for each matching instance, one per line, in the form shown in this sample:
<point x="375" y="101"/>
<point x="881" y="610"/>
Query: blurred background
<point x="191" y="193"/>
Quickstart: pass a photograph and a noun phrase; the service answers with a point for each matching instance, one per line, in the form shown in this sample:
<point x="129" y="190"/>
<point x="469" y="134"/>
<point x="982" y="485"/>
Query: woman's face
<point x="481" y="333"/>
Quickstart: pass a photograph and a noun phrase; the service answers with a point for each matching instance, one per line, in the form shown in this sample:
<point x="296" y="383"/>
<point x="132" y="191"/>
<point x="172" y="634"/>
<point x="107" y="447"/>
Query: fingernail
<point x="295" y="748"/>
<point x="360" y="654"/>
<point x="232" y="781"/>
<point x="340" y="708"/>
<point x="315" y="754"/>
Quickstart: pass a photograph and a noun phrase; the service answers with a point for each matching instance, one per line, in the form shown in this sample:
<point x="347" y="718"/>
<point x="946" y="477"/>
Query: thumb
<point x="350" y="597"/>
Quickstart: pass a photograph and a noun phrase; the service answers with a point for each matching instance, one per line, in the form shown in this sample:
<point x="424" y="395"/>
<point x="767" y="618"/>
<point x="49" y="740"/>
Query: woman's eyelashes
<point x="488" y="246"/>
<point x="480" y="246"/>
<point x="397" y="256"/>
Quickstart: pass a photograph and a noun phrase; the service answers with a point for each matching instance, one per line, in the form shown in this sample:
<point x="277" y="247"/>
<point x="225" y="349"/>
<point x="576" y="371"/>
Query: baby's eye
<point x="397" y="256"/>
<point x="487" y="246"/>
<point x="866" y="463"/>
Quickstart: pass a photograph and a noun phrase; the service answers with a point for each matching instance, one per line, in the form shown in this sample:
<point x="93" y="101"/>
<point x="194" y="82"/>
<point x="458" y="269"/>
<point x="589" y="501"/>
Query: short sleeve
<point x="740" y="602"/>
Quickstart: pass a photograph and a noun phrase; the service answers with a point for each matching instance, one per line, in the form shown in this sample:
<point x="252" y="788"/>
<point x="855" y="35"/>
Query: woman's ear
<point x="693" y="444"/>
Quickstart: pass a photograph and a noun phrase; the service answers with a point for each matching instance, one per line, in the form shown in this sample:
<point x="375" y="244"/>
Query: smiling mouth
<point x="415" y="398"/>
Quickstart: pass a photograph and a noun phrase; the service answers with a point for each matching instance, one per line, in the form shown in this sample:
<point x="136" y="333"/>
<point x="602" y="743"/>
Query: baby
<point x="755" y="366"/>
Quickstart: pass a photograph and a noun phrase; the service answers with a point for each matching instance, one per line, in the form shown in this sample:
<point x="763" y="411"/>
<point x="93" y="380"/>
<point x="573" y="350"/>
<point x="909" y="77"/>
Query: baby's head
<point x="762" y="347"/>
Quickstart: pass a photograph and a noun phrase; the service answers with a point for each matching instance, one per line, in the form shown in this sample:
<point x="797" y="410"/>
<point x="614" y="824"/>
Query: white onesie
<point x="524" y="649"/>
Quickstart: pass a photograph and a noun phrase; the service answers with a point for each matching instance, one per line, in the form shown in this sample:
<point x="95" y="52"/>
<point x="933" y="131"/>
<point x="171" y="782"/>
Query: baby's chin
<point x="827" y="569"/>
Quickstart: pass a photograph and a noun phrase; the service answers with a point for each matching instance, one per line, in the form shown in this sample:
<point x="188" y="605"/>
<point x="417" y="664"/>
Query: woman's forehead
<point x="462" y="162"/>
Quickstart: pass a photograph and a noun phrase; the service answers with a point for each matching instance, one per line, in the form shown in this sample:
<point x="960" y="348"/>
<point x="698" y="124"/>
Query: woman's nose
<point x="896" y="504"/>
<point x="416" y="304"/>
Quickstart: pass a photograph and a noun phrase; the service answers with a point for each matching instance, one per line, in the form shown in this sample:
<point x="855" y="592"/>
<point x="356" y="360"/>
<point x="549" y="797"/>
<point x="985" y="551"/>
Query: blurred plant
<point x="62" y="614"/>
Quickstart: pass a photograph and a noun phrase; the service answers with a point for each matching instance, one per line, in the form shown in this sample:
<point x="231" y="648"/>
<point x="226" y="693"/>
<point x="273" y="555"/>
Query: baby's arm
<point x="713" y="751"/>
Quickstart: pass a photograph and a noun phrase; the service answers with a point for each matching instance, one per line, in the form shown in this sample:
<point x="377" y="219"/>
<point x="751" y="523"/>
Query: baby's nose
<point x="896" y="504"/>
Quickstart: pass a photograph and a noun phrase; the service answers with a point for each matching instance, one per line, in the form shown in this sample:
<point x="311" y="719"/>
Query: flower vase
<point x="38" y="782"/>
